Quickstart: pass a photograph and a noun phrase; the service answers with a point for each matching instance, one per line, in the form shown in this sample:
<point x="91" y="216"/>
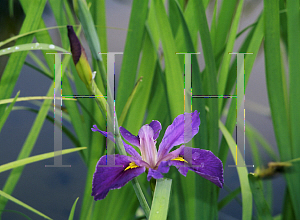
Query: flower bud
<point x="79" y="57"/>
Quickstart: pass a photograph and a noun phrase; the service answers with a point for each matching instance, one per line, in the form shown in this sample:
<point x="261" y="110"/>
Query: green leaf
<point x="129" y="101"/>
<point x="283" y="126"/>
<point x="137" y="110"/>
<point x="22" y="162"/>
<point x="30" y="141"/>
<point x="141" y="197"/>
<point x="13" y="211"/>
<point x="30" y="98"/>
<point x="224" y="23"/>
<point x="223" y="76"/>
<point x="293" y="27"/>
<point x="133" y="46"/>
<point x="31" y="46"/>
<point x="229" y="198"/>
<point x="99" y="16"/>
<point x="16" y="60"/>
<point x="209" y="82"/>
<point x="22" y="204"/>
<point x="262" y="207"/>
<point x="28" y="33"/>
<point x="160" y="203"/>
<point x="7" y="111"/>
<point x="173" y="74"/>
<point x="242" y="173"/>
<point x="71" y="216"/>
<point x="274" y="78"/>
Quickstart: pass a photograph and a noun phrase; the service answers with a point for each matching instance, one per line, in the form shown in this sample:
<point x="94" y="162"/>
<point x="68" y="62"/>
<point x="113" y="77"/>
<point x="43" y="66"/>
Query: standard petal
<point x="134" y="140"/>
<point x="129" y="149"/>
<point x="174" y="134"/>
<point x="203" y="162"/>
<point x="156" y="126"/>
<point x="108" y="178"/>
<point x="147" y="145"/>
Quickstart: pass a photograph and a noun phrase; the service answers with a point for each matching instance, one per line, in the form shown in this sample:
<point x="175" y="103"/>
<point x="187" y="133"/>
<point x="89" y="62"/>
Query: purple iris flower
<point x="202" y="162"/>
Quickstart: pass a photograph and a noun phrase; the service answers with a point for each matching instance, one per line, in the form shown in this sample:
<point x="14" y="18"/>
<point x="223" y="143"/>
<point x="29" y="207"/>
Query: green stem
<point x="140" y="195"/>
<point x="152" y="185"/>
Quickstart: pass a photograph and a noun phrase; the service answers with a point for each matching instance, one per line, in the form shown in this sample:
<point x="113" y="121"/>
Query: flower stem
<point x="152" y="185"/>
<point x="140" y="195"/>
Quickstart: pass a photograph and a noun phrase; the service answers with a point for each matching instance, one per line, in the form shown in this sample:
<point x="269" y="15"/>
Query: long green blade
<point x="7" y="196"/>
<point x="32" y="46"/>
<point x="71" y="216"/>
<point x="22" y="162"/>
<point x="160" y="203"/>
<point x="242" y="173"/>
<point x="7" y="111"/>
<point x="262" y="207"/>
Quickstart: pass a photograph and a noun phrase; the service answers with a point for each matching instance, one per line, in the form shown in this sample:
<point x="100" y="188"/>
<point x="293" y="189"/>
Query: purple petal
<point x="203" y="162"/>
<point x="174" y="134"/>
<point x="147" y="145"/>
<point x="154" y="173"/>
<point x="134" y="140"/>
<point x="171" y="155"/>
<point x="104" y="133"/>
<point x="108" y="178"/>
<point x="140" y="162"/>
<point x="163" y="167"/>
<point x="129" y="149"/>
<point x="156" y="126"/>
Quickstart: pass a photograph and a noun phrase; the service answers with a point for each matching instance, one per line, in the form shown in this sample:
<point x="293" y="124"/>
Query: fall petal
<point x="109" y="178"/>
<point x="203" y="162"/>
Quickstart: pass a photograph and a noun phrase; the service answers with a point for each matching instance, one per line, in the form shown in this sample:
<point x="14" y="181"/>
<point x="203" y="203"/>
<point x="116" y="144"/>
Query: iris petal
<point x="203" y="162"/>
<point x="154" y="174"/>
<point x="174" y="134"/>
<point x="129" y="149"/>
<point x="147" y="145"/>
<point x="171" y="155"/>
<point x="109" y="178"/>
<point x="134" y="140"/>
<point x="156" y="126"/>
<point x="157" y="174"/>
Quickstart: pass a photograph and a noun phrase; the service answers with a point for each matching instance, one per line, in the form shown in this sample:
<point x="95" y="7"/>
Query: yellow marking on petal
<point x="131" y="166"/>
<point x="179" y="159"/>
